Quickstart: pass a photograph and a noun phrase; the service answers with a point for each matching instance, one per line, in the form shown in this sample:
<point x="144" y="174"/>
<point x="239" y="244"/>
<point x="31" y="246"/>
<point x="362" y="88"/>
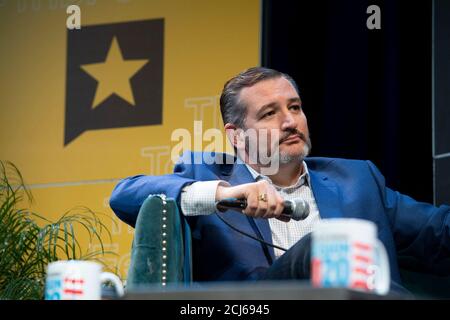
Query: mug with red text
<point x="78" y="280"/>
<point x="347" y="253"/>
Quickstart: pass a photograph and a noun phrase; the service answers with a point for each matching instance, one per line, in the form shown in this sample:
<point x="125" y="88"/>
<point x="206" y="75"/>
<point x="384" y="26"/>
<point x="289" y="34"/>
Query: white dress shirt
<point x="199" y="199"/>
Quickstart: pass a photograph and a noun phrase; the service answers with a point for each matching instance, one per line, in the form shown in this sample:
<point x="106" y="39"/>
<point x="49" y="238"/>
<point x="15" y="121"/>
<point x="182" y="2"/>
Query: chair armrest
<point x="161" y="250"/>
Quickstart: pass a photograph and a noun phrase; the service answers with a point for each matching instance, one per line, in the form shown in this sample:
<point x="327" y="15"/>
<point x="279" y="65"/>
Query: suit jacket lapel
<point x="326" y="194"/>
<point x="241" y="175"/>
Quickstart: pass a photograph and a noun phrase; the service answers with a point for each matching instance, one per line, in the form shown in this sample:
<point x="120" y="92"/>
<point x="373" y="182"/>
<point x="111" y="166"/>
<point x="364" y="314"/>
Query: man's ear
<point x="232" y="134"/>
<point x="237" y="139"/>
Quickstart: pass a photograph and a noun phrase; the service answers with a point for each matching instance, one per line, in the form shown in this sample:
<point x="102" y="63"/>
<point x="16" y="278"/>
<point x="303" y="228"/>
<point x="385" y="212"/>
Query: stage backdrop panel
<point x="81" y="109"/>
<point x="441" y="101"/>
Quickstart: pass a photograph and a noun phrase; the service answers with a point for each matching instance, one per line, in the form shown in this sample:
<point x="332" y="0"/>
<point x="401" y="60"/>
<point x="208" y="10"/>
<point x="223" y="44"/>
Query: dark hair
<point x="232" y="109"/>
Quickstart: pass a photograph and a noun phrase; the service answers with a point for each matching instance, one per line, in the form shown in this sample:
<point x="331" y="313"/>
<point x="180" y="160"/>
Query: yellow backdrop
<point x="205" y="43"/>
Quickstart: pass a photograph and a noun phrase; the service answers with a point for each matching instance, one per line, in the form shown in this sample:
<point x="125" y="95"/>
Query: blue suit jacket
<point x="416" y="235"/>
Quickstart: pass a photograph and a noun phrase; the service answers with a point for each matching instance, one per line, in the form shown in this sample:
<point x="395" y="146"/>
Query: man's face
<point x="275" y="106"/>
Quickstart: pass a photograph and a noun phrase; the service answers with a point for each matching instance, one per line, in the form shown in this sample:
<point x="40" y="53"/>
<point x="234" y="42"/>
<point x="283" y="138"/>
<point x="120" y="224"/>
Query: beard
<point x="275" y="156"/>
<point x="285" y="158"/>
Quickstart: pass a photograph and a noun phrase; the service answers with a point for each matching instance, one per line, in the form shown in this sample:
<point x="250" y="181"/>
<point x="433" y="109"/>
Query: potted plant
<point x="29" y="241"/>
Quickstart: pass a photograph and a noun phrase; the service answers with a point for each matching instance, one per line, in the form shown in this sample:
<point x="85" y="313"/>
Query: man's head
<point x="260" y="100"/>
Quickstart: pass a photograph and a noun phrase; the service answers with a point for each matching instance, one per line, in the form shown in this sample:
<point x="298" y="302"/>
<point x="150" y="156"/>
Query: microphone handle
<point x="231" y="203"/>
<point x="234" y="203"/>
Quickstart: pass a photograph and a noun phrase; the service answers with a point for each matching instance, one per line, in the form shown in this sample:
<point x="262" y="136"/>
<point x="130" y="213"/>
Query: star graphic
<point x="113" y="75"/>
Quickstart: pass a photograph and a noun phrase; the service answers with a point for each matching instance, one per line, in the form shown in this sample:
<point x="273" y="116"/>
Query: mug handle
<point x="108" y="276"/>
<point x="380" y="278"/>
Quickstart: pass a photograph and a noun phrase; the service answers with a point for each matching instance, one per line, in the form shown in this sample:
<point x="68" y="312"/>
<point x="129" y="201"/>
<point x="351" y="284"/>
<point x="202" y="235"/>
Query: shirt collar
<point x="304" y="179"/>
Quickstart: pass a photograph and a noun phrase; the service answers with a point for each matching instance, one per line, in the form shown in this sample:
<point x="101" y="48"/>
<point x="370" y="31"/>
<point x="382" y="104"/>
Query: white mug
<point x="78" y="280"/>
<point x="347" y="253"/>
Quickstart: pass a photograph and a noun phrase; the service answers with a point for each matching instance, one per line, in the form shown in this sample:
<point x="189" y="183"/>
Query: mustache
<point x="293" y="132"/>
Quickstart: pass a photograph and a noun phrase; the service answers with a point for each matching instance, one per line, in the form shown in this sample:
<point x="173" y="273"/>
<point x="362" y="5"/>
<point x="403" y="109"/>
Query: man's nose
<point x="288" y="121"/>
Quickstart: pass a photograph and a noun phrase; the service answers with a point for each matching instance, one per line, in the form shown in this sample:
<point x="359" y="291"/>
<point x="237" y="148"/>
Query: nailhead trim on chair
<point x="164" y="241"/>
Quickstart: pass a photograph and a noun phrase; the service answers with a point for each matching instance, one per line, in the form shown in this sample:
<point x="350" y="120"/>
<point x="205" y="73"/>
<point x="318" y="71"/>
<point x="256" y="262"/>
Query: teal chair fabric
<point x="161" y="250"/>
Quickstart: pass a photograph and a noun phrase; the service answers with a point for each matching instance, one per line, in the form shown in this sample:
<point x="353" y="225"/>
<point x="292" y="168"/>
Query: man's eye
<point x="296" y="107"/>
<point x="267" y="114"/>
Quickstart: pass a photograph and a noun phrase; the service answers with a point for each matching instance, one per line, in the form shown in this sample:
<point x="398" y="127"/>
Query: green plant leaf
<point x="30" y="241"/>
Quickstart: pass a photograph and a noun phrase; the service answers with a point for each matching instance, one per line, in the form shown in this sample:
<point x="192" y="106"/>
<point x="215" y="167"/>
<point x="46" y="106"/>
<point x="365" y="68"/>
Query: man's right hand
<point x="263" y="201"/>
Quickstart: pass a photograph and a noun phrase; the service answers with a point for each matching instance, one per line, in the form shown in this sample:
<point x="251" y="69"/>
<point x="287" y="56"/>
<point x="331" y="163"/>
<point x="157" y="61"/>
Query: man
<point x="265" y="101"/>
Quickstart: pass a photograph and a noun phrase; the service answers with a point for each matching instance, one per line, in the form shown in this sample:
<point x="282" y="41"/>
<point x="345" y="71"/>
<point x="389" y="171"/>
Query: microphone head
<point x="300" y="209"/>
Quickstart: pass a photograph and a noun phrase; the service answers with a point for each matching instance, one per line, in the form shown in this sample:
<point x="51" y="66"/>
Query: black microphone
<point x="297" y="209"/>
